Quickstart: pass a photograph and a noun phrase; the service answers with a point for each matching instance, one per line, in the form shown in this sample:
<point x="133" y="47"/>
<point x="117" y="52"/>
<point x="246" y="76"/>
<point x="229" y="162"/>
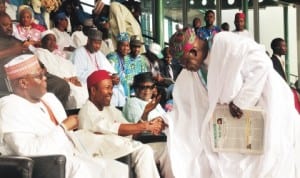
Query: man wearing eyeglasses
<point x="11" y="47"/>
<point x="97" y="116"/>
<point x="240" y="75"/>
<point x="33" y="122"/>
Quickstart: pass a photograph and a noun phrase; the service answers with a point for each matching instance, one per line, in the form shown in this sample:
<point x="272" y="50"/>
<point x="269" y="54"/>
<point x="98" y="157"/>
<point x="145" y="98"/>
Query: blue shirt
<point x="127" y="68"/>
<point x="206" y="34"/>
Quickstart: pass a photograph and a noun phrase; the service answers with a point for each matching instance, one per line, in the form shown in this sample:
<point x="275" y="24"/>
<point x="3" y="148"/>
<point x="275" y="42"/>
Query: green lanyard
<point x="203" y="76"/>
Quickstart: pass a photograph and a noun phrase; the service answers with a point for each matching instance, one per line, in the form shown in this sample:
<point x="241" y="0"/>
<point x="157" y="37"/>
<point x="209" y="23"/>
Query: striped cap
<point x="181" y="42"/>
<point x="99" y="6"/>
<point x="20" y="66"/>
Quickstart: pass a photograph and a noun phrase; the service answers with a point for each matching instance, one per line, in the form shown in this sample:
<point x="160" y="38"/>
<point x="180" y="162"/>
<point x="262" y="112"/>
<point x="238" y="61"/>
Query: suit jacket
<point x="164" y="70"/>
<point x="278" y="67"/>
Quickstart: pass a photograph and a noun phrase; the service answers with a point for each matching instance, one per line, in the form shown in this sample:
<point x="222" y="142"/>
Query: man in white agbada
<point x="62" y="68"/>
<point x="240" y="74"/>
<point x="97" y="116"/>
<point x="88" y="58"/>
<point x="33" y="122"/>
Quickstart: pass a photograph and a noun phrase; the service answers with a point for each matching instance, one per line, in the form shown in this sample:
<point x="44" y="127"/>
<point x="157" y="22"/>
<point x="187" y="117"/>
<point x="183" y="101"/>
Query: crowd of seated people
<point x="66" y="58"/>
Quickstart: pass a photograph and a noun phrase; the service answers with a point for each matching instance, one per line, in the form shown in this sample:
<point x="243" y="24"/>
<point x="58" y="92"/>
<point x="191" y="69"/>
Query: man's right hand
<point x="155" y="127"/>
<point x="71" y="122"/>
<point x="235" y="110"/>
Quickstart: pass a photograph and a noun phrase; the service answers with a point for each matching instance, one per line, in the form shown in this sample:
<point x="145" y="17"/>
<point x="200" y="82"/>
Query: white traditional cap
<point x="20" y="66"/>
<point x="156" y="49"/>
<point x="99" y="5"/>
<point x="47" y="32"/>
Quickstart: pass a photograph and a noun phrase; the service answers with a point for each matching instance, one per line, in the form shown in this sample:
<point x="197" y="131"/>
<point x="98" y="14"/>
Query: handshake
<point x="156" y="125"/>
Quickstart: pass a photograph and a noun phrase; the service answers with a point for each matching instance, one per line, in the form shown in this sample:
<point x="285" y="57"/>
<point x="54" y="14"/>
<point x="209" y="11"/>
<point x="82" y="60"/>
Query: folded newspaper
<point x="244" y="135"/>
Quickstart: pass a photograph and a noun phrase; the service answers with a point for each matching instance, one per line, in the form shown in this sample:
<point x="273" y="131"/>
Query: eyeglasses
<point x="145" y="87"/>
<point x="39" y="75"/>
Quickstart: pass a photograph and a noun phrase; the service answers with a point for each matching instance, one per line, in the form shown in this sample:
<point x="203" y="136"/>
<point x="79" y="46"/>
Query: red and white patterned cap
<point x="21" y="66"/>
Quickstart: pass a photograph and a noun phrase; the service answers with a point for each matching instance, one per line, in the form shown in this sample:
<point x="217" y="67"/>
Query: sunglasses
<point x="145" y="87"/>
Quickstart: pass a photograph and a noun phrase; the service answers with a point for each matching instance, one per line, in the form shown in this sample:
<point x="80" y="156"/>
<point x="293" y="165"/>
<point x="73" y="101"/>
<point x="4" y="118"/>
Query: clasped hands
<point x="156" y="125"/>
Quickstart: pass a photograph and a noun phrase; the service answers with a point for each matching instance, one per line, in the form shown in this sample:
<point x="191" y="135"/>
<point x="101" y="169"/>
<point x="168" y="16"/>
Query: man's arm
<point x="23" y="143"/>
<point x="54" y="142"/>
<point x="155" y="127"/>
<point x="16" y="49"/>
<point x="254" y="72"/>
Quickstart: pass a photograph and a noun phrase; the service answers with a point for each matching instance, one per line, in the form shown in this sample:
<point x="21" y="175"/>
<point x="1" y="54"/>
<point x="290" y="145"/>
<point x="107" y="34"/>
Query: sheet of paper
<point x="244" y="135"/>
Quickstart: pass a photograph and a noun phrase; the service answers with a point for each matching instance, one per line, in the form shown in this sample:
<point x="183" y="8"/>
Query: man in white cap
<point x="40" y="125"/>
<point x="88" y="58"/>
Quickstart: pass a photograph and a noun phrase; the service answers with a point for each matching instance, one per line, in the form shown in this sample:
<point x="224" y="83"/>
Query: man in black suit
<point x="170" y="68"/>
<point x="279" y="48"/>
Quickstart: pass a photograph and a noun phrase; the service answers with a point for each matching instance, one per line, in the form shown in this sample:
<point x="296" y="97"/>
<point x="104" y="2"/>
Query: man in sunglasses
<point x="240" y="75"/>
<point x="136" y="109"/>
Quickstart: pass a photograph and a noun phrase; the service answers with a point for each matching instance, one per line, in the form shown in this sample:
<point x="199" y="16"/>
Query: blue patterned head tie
<point x="122" y="37"/>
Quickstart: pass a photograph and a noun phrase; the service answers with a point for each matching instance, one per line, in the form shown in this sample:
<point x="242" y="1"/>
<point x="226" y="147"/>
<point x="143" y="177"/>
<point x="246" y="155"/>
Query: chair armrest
<point x="127" y="160"/>
<point x="72" y="111"/>
<point x="49" y="166"/>
<point x="16" y="167"/>
<point x="150" y="138"/>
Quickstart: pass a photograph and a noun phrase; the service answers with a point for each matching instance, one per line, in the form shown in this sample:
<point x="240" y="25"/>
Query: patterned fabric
<point x="122" y="37"/>
<point x="31" y="33"/>
<point x="21" y="66"/>
<point x="127" y="68"/>
<point x="181" y="42"/>
<point x="207" y="34"/>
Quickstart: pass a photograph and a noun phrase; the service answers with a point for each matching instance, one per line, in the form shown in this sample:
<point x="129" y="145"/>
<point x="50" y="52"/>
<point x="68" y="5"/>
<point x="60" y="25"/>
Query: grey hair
<point x="23" y="8"/>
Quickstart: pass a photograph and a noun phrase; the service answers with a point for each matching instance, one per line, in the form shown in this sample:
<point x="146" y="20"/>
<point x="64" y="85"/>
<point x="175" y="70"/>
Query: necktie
<point x="170" y="71"/>
<point x="52" y="117"/>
